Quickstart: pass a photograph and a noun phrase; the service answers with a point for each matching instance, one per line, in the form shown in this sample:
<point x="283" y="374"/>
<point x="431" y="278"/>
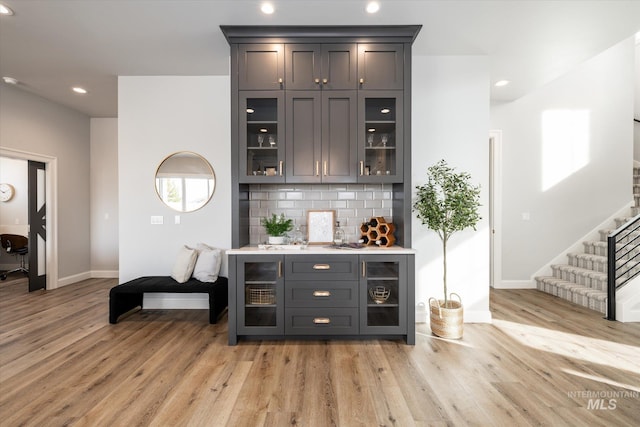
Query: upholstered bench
<point x="127" y="296"/>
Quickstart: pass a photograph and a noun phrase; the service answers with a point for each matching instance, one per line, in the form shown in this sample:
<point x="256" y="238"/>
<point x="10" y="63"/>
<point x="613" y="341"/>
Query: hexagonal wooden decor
<point x="378" y="231"/>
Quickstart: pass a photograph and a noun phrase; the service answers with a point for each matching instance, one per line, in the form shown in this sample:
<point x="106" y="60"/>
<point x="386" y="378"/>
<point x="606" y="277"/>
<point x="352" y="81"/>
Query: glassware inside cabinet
<point x="380" y="140"/>
<point x="262" y="136"/>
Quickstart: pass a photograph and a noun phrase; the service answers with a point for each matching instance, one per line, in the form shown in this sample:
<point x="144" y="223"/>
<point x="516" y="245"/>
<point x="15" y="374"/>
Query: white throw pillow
<point x="208" y="264"/>
<point x="183" y="267"/>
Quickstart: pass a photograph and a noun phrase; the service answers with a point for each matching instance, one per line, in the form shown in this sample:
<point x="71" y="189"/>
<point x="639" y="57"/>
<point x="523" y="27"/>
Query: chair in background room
<point x="16" y="245"/>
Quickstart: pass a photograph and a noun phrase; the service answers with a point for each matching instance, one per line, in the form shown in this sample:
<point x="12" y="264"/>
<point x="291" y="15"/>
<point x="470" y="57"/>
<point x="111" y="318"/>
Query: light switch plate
<point x="157" y="219"/>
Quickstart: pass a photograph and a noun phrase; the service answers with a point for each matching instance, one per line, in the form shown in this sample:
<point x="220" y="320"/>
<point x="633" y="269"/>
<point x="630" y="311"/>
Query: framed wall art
<point x="320" y="226"/>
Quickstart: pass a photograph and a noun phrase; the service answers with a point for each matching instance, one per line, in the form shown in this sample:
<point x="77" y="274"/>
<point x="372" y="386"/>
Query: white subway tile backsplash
<point x="374" y="204"/>
<point x="352" y="203"/>
<point x="338" y="204"/>
<point x="321" y="204"/>
<point x="286" y="204"/>
<point x="295" y="195"/>
<point x="327" y="195"/>
<point x="343" y="214"/>
<point x="346" y="195"/>
<point x="258" y="196"/>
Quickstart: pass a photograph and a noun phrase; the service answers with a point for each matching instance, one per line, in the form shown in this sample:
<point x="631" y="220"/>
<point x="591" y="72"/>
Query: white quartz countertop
<point x="319" y="250"/>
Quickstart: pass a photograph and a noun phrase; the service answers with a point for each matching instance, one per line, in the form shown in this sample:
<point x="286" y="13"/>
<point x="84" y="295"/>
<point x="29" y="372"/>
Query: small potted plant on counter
<point x="277" y="226"/>
<point x="447" y="203"/>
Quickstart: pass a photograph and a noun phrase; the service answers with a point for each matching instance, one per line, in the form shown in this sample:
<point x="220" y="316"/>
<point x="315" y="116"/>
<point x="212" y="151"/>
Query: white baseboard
<point x="93" y="274"/>
<point x="176" y="301"/>
<point x="64" y="281"/>
<point x="104" y="274"/>
<point x="515" y="284"/>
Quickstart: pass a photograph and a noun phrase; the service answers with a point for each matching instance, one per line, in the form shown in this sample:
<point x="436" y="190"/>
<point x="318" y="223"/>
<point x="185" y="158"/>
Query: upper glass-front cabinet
<point x="380" y="138"/>
<point x="261" y="137"/>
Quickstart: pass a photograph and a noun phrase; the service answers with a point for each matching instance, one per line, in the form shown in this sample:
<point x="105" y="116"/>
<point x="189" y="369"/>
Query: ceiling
<point x="51" y="45"/>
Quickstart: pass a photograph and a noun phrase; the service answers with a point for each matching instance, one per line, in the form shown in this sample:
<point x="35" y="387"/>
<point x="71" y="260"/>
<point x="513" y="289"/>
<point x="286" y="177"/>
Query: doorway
<point x="495" y="208"/>
<point x="49" y="245"/>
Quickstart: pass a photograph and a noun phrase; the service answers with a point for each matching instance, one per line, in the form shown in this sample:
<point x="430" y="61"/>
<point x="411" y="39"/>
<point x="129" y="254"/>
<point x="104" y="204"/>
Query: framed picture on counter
<point x="320" y="226"/>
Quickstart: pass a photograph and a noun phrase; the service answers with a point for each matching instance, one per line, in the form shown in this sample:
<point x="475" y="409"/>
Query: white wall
<point x="597" y="97"/>
<point x="14" y="212"/>
<point x="450" y="120"/>
<point x="104" y="197"/>
<point x="31" y="124"/>
<point x="158" y="116"/>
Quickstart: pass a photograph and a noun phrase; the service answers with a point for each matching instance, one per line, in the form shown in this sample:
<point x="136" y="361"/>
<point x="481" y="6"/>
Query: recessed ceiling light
<point x="385" y="111"/>
<point x="250" y="110"/>
<point x="5" y="10"/>
<point x="10" y="80"/>
<point x="373" y="7"/>
<point x="501" y="83"/>
<point x="371" y="129"/>
<point x="79" y="90"/>
<point x="267" y="8"/>
<point x="264" y="130"/>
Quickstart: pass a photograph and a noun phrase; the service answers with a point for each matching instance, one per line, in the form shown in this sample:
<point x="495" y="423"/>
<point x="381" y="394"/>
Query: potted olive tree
<point x="447" y="203"/>
<point x="277" y="226"/>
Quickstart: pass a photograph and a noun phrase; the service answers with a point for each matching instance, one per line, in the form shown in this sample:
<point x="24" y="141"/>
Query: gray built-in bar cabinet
<point x="319" y="106"/>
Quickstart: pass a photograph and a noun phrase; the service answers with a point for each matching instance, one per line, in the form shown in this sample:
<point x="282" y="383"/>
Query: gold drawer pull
<point x="321" y="293"/>
<point x="321" y="267"/>
<point x="321" y="320"/>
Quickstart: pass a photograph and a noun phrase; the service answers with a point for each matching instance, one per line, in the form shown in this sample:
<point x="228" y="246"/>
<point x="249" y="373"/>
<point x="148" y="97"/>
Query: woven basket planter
<point x="446" y="322"/>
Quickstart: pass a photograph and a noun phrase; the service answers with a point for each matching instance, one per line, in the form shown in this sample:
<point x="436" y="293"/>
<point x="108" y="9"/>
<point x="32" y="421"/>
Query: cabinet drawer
<point x="321" y="321"/>
<point x="321" y="294"/>
<point x="324" y="267"/>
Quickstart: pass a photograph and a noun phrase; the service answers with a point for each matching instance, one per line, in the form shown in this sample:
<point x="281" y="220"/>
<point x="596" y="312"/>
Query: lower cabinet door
<point x="383" y="290"/>
<point x="260" y="295"/>
<point x="321" y="321"/>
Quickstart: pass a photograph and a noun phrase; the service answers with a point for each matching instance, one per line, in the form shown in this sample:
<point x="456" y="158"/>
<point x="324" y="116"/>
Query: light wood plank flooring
<point x="542" y="362"/>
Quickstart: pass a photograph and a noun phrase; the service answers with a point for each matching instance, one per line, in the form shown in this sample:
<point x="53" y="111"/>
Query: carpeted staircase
<point x="583" y="280"/>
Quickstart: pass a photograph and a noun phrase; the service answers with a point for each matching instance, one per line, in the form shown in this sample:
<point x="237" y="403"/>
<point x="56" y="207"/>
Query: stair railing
<point x="621" y="267"/>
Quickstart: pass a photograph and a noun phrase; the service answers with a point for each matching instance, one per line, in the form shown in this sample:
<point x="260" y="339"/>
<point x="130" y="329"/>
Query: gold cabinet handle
<point x="361" y="167"/>
<point x="321" y="267"/>
<point x="325" y="81"/>
<point x="321" y="294"/>
<point x="361" y="81"/>
<point x="317" y="81"/>
<point x="321" y="320"/>
<point x="279" y="268"/>
<point x="317" y="167"/>
<point x="324" y="168"/>
<point x="281" y="166"/>
<point x="280" y="80"/>
<point x="364" y="269"/>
